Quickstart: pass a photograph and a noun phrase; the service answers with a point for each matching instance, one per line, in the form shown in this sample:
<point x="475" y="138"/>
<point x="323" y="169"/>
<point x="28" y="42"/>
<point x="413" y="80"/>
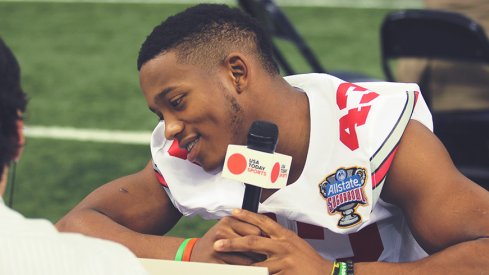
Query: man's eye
<point x="176" y="101"/>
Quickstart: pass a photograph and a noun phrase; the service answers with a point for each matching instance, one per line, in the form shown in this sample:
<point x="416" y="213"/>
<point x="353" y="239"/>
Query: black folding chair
<point x="432" y="34"/>
<point x="276" y="23"/>
<point x="441" y="35"/>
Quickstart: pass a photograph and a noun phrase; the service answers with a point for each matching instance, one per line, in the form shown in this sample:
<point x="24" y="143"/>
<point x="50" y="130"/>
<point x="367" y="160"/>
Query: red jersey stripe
<point x="161" y="179"/>
<point x="381" y="172"/>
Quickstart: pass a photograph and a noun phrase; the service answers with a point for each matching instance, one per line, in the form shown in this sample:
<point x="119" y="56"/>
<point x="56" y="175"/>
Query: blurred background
<point x="78" y="62"/>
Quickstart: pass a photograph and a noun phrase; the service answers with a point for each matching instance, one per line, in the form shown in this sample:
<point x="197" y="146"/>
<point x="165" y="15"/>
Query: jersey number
<point x="366" y="244"/>
<point x="356" y="116"/>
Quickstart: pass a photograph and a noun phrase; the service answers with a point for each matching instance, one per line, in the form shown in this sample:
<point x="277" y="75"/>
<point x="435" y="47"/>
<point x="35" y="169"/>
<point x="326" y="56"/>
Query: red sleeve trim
<point x="161" y="179"/>
<point x="381" y="172"/>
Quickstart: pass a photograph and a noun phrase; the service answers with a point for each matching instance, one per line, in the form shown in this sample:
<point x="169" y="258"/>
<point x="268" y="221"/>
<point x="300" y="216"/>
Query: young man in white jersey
<point x="370" y="185"/>
<point x="34" y="246"/>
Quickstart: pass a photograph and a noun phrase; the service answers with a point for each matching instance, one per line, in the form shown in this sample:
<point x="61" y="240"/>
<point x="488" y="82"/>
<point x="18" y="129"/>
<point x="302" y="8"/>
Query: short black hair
<point x="205" y="34"/>
<point x="12" y="100"/>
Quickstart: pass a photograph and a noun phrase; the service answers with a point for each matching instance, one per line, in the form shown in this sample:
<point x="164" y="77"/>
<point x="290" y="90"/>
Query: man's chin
<point x="212" y="169"/>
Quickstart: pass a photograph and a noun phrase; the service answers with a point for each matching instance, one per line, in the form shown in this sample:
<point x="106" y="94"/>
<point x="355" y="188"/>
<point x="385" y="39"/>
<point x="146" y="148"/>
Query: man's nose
<point x="172" y="127"/>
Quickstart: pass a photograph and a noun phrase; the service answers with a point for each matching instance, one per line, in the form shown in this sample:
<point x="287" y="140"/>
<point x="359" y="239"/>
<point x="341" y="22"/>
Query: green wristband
<point x="342" y="268"/>
<point x="181" y="249"/>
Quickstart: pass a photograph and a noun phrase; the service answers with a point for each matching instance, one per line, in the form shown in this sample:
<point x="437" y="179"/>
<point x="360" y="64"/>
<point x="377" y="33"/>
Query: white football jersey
<point x="335" y="204"/>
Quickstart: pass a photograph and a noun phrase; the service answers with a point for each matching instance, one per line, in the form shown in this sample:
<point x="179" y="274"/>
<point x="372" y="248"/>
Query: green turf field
<point x="78" y="65"/>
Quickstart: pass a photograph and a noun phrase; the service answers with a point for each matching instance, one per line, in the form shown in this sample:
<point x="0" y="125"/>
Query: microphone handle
<point x="251" y="198"/>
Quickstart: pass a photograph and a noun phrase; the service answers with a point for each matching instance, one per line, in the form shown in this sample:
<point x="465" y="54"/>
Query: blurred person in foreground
<point x="371" y="190"/>
<point x="34" y="246"/>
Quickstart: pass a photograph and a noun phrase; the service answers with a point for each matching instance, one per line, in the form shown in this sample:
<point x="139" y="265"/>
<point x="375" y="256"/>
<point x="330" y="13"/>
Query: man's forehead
<point x="153" y="71"/>
<point x="159" y="62"/>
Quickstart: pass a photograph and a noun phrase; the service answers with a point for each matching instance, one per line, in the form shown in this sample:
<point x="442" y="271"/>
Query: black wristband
<point x="349" y="267"/>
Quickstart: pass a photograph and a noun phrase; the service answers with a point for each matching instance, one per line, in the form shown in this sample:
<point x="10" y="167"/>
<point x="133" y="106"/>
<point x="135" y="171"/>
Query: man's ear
<point x="20" y="133"/>
<point x="237" y="66"/>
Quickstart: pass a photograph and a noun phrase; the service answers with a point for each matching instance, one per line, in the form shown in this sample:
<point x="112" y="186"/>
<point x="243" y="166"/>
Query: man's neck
<point x="295" y="134"/>
<point x="293" y="121"/>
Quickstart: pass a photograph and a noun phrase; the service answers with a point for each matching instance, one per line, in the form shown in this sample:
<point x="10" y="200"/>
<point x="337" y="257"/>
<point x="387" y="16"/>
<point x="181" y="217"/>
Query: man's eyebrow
<point x="161" y="95"/>
<point x="160" y="115"/>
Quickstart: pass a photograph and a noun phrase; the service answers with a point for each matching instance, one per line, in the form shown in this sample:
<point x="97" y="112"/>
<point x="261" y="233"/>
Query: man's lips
<point x="190" y="146"/>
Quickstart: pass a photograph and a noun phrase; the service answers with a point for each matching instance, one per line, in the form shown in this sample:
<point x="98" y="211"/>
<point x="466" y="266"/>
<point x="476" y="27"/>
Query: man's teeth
<point x="191" y="145"/>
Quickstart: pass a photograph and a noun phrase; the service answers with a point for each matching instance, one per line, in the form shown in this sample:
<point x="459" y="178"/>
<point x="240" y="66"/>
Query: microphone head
<point x="263" y="136"/>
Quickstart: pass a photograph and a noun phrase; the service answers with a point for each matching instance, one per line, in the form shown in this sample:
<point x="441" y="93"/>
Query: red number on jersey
<point x="366" y="244"/>
<point x="356" y="116"/>
<point x="348" y="124"/>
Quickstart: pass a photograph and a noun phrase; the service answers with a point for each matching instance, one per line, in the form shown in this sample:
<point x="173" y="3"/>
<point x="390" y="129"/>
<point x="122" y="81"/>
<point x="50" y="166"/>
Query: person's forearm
<point x="464" y="258"/>
<point x="96" y="224"/>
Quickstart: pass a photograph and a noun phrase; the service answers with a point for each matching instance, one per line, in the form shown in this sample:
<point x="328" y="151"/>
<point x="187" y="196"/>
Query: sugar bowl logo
<point x="343" y="192"/>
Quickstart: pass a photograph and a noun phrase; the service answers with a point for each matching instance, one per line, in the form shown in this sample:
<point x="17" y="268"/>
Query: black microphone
<point x="263" y="137"/>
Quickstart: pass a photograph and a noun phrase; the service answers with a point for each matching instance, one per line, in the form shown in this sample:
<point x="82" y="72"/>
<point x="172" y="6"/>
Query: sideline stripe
<point x="365" y="4"/>
<point x="94" y="135"/>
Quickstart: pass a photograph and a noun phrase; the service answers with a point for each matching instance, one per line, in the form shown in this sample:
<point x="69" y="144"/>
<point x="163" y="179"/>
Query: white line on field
<point x="95" y="135"/>
<point x="282" y="3"/>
